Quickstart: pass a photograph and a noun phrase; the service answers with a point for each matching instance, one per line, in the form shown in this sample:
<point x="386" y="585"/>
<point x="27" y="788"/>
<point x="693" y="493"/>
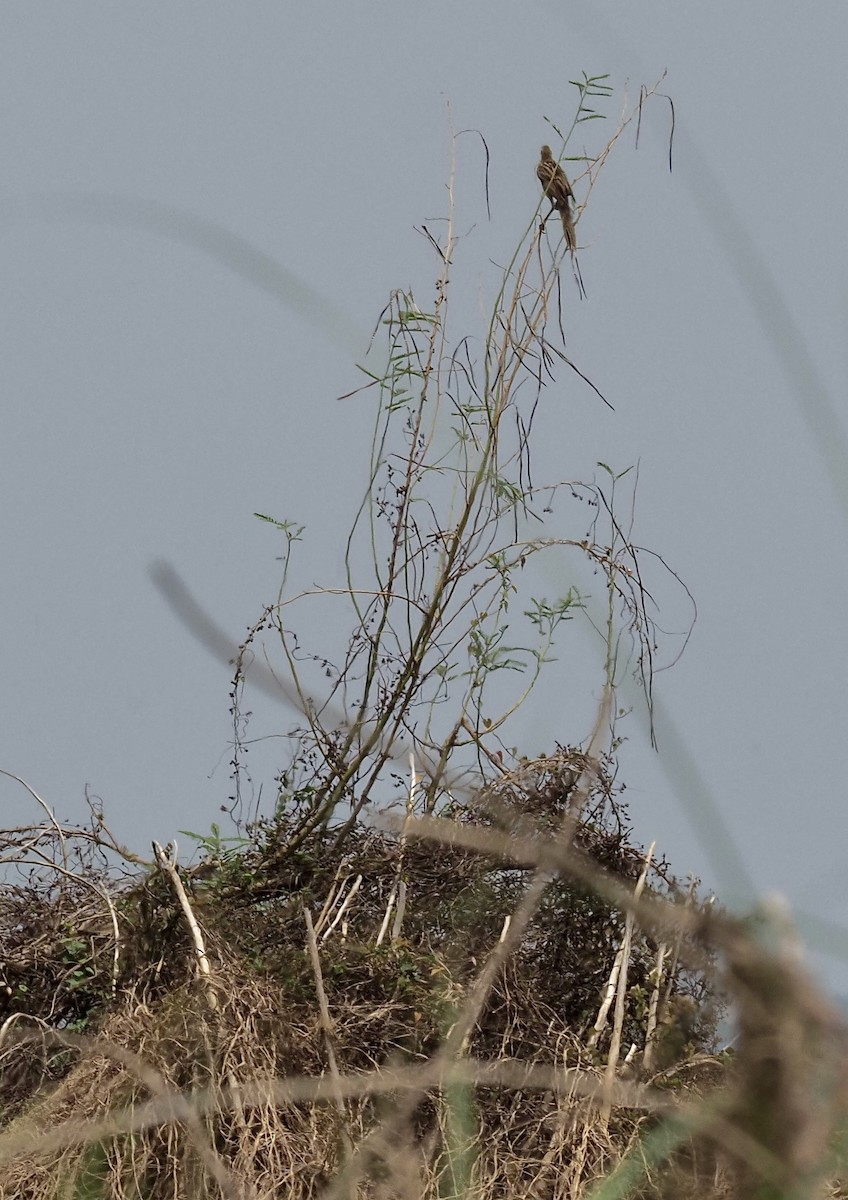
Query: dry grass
<point x="170" y="1093"/>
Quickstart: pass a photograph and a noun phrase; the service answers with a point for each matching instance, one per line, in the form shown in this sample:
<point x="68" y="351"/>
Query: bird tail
<point x="568" y="229"/>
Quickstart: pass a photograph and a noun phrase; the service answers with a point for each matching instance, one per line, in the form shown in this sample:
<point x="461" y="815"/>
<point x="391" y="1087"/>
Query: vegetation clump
<point x="441" y="966"/>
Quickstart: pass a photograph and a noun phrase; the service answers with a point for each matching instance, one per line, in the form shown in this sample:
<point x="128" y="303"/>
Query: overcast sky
<point x="204" y="209"/>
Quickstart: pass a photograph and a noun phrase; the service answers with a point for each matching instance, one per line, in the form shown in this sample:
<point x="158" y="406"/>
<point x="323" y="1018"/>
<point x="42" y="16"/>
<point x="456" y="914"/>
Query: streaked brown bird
<point x="558" y="190"/>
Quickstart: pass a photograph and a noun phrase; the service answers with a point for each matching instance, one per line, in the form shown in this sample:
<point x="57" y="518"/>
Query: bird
<point x="558" y="190"/>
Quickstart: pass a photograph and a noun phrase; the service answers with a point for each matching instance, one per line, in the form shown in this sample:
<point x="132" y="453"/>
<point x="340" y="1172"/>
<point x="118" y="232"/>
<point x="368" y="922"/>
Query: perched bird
<point x="558" y="190"/>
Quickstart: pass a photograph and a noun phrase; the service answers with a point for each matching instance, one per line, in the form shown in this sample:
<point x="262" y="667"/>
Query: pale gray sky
<point x="154" y="397"/>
